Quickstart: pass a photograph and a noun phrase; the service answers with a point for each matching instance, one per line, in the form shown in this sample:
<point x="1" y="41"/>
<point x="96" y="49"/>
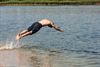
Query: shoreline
<point x="48" y="4"/>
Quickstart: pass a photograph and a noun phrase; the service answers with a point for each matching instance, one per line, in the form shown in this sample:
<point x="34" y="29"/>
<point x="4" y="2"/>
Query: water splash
<point x="10" y="45"/>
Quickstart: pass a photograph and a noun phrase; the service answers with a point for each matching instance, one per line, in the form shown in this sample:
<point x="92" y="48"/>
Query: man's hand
<point x="61" y="30"/>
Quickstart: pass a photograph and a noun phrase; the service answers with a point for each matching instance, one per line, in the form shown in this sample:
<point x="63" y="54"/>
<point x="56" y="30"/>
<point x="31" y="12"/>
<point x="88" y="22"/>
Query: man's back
<point x="45" y="22"/>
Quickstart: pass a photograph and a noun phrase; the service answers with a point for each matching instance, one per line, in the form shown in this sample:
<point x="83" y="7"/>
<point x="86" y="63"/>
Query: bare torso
<point x="45" y="22"/>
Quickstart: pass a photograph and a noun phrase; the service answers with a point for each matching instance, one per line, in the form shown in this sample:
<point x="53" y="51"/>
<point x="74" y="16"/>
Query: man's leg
<point x="19" y="34"/>
<point x="23" y="34"/>
<point x="26" y="34"/>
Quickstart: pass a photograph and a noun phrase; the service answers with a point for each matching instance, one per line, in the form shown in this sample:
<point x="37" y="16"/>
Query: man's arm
<point x="56" y="27"/>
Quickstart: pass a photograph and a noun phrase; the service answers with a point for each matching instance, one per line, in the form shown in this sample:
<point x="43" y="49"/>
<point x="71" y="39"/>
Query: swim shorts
<point x="35" y="27"/>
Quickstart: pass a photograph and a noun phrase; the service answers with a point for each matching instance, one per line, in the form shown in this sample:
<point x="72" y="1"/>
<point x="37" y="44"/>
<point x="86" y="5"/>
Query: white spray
<point x="11" y="45"/>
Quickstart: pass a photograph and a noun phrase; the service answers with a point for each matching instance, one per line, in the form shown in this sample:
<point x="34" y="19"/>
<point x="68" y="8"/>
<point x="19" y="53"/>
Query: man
<point x="35" y="27"/>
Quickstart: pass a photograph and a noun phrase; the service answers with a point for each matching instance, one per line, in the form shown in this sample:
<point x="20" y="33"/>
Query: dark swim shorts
<point x="35" y="27"/>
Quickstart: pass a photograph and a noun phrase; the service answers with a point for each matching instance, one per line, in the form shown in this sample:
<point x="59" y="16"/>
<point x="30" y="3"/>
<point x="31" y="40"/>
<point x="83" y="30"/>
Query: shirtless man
<point x="35" y="27"/>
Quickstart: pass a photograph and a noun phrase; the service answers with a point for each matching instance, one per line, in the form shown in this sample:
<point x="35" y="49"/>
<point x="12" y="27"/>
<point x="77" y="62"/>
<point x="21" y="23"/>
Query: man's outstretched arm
<point x="57" y="28"/>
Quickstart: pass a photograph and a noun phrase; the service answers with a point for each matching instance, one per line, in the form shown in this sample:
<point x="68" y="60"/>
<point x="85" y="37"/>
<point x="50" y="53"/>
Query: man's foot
<point x="18" y="37"/>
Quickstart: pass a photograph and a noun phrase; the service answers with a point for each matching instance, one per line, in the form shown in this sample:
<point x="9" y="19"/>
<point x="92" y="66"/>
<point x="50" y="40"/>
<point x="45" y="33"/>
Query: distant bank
<point x="50" y="3"/>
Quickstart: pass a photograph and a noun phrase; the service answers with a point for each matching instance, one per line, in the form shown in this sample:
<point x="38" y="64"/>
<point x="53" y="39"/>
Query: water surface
<point x="78" y="46"/>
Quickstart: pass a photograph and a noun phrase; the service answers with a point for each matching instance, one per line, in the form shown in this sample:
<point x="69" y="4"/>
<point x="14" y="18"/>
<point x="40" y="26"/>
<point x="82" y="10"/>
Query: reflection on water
<point x="22" y="58"/>
<point x="25" y="57"/>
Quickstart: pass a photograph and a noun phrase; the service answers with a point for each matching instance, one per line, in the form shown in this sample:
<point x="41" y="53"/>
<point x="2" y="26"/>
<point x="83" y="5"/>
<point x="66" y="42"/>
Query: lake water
<point x="78" y="46"/>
